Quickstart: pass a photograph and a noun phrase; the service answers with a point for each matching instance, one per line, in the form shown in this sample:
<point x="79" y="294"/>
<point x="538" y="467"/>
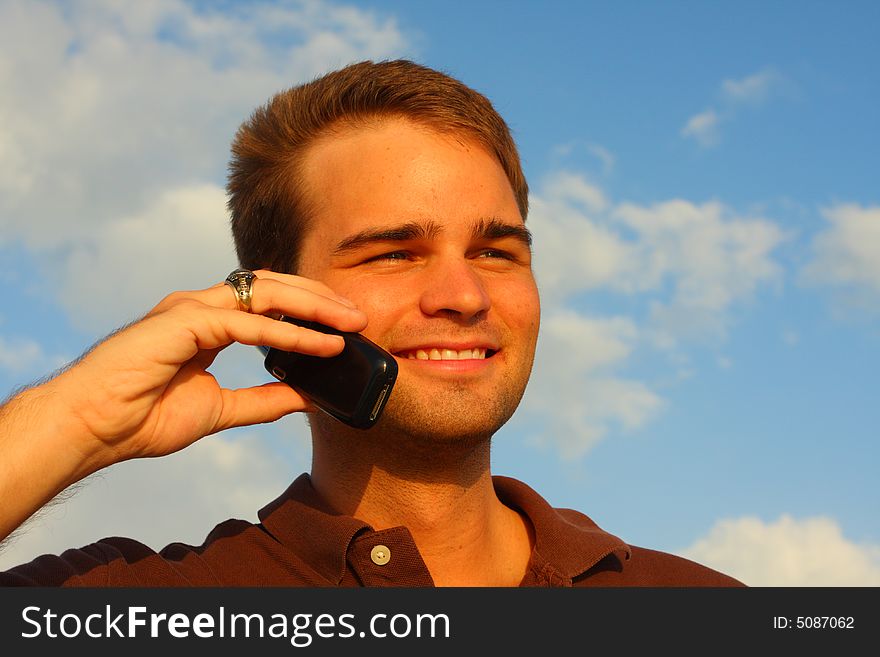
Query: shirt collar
<point x="565" y="539"/>
<point x="301" y="521"/>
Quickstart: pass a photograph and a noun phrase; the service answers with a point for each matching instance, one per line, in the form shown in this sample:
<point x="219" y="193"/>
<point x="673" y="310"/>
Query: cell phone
<point x="353" y="386"/>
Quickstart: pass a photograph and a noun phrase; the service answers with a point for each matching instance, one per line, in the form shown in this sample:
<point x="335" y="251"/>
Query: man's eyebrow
<point x="401" y="233"/>
<point x="495" y="229"/>
<point x="484" y="229"/>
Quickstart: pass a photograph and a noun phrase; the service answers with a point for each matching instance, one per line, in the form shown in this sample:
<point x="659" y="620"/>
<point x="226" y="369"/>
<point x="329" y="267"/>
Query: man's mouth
<point x="441" y="353"/>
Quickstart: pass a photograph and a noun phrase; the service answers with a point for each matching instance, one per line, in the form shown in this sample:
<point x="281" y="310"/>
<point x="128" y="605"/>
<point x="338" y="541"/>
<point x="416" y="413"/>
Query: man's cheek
<point x="380" y="306"/>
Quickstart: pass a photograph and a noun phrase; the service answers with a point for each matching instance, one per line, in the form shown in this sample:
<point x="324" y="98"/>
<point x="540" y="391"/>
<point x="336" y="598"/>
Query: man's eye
<point x="495" y="253"/>
<point x="391" y="255"/>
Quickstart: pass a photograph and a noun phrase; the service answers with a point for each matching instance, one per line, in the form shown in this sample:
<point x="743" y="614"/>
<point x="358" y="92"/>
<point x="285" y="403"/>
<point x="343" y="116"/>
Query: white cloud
<point x="735" y="94"/>
<point x="703" y="127"/>
<point x="17" y="355"/>
<point x="693" y="262"/>
<point x="689" y="264"/>
<point x="846" y="255"/>
<point x="711" y="257"/>
<point x="787" y="552"/>
<point x="573" y="389"/>
<point x="572" y="188"/>
<point x="108" y="108"/>
<point x="180" y="241"/>
<point x="573" y="251"/>
<point x="176" y="498"/>
<point x="605" y="156"/>
<point x="24" y="358"/>
<point x="599" y="153"/>
<point x="752" y="89"/>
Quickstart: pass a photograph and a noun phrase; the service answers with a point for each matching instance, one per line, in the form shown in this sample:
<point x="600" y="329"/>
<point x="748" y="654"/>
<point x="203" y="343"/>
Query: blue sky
<point x="706" y="211"/>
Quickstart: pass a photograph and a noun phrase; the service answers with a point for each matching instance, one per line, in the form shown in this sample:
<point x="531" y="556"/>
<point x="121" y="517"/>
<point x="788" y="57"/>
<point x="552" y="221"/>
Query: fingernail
<point x="344" y="301"/>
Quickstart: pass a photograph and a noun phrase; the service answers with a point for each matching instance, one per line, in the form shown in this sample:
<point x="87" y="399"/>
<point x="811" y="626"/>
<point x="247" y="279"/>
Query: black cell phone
<point x="352" y="386"/>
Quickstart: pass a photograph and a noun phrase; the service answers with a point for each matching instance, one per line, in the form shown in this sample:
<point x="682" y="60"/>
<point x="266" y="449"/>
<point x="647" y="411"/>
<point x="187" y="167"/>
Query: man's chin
<point x="456" y="415"/>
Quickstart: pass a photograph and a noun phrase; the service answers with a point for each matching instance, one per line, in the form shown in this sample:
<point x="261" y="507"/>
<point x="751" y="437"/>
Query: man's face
<point x="422" y="231"/>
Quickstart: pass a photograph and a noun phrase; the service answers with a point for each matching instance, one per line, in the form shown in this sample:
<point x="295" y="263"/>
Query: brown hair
<point x="267" y="203"/>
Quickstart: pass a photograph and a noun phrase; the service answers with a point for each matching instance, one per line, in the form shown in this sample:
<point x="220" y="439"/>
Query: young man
<point x="384" y="198"/>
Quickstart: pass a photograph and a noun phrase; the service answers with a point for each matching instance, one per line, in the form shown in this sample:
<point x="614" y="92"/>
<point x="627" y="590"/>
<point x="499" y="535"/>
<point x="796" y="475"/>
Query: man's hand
<point x="145" y="391"/>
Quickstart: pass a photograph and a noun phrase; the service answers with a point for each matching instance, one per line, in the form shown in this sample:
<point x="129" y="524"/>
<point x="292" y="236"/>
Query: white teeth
<point x="446" y="354"/>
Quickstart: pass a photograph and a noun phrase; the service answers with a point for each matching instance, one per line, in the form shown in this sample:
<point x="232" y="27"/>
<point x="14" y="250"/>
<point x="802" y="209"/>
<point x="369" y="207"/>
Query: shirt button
<point x="380" y="555"/>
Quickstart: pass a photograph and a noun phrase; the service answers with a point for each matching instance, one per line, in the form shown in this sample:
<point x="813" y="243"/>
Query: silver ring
<point x="242" y="282"/>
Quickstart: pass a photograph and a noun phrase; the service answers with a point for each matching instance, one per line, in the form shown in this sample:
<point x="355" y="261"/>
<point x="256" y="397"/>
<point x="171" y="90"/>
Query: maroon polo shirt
<point x="301" y="542"/>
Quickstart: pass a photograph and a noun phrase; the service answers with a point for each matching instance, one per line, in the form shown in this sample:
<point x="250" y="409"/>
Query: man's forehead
<point x="395" y="180"/>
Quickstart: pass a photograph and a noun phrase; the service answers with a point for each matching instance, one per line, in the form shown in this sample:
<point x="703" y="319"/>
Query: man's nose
<point x="455" y="289"/>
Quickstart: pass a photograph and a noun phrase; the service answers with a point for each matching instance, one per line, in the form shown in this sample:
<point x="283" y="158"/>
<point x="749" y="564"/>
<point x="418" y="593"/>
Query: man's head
<point x="270" y="207"/>
<point x="416" y="213"/>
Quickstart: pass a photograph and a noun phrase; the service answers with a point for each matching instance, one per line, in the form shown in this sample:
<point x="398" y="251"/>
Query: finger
<point x="220" y="294"/>
<point x="313" y="301"/>
<point x="215" y="328"/>
<point x="301" y="281"/>
<point x="260" y="404"/>
<point x="292" y="280"/>
<point x="272" y="296"/>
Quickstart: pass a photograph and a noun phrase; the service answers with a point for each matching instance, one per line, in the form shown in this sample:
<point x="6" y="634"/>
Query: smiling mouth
<point x="477" y="353"/>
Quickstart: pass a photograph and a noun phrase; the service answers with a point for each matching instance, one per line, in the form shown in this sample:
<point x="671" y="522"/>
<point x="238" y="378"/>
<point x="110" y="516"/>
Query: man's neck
<point x="443" y="494"/>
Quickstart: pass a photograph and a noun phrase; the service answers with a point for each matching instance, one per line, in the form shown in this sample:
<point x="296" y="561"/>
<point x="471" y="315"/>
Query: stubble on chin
<point x="452" y="415"/>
